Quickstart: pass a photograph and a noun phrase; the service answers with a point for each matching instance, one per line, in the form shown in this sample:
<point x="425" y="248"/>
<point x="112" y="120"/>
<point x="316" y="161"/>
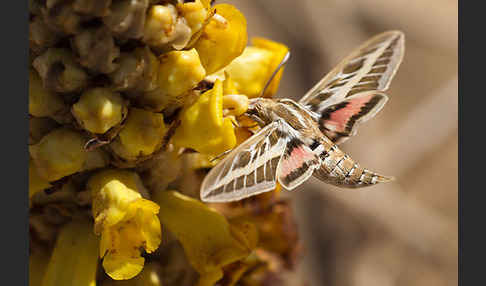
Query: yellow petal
<point x="122" y="267"/>
<point x="74" y="260"/>
<point x="206" y="3"/>
<point x="206" y="236"/>
<point x="203" y="127"/>
<point x="252" y="70"/>
<point x="113" y="191"/>
<point x="223" y="39"/>
<point x="147" y="221"/>
<point x="178" y="73"/>
<point x="229" y="85"/>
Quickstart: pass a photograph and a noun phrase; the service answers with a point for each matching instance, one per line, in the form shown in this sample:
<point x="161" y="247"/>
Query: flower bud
<point x="142" y="134"/>
<point x="223" y="39"/>
<point x="99" y="109"/>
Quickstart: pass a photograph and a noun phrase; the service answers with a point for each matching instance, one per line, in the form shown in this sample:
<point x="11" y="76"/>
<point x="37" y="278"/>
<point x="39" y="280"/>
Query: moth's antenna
<point x="282" y="63"/>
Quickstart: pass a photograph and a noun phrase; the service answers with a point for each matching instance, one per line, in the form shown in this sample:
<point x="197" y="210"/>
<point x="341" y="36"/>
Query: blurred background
<point x="401" y="233"/>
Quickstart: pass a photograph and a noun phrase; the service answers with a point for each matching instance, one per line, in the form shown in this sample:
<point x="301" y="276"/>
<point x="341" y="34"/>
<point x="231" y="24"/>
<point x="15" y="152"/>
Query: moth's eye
<point x="251" y="109"/>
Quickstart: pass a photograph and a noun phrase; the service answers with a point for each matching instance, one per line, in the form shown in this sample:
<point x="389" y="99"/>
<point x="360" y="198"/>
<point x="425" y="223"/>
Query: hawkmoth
<point x="300" y="139"/>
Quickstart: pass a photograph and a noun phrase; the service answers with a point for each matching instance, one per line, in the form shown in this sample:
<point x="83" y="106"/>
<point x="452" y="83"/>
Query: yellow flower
<point x="195" y="14"/>
<point x="179" y="72"/>
<point x="142" y="134"/>
<point x="58" y="154"/>
<point x="223" y="39"/>
<point x="160" y="25"/>
<point x="99" y="109"/>
<point x="74" y="260"/>
<point x="126" y="221"/>
<point x="203" y="127"/>
<point x="251" y="71"/>
<point x="209" y="240"/>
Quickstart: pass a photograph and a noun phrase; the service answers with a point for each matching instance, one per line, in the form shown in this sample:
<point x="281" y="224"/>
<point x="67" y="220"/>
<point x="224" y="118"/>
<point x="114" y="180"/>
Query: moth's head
<point x="260" y="107"/>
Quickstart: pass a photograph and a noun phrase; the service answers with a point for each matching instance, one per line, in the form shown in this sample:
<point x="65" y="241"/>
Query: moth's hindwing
<point x="249" y="169"/>
<point x="297" y="164"/>
<point x="340" y="121"/>
<point x="370" y="67"/>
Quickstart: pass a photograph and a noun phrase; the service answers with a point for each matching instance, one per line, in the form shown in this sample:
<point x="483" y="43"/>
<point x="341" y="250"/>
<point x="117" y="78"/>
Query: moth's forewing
<point x="249" y="169"/>
<point x="370" y="67"/>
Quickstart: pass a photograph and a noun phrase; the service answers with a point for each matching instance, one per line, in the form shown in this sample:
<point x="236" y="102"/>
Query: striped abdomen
<point x="339" y="169"/>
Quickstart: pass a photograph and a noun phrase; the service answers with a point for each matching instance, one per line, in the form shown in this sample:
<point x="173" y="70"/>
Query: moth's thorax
<point x="269" y="110"/>
<point x="262" y="109"/>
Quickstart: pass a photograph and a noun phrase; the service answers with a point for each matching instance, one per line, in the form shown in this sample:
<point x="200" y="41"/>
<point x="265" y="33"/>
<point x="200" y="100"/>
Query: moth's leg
<point x="234" y="121"/>
<point x="252" y="126"/>
<point x="256" y="119"/>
